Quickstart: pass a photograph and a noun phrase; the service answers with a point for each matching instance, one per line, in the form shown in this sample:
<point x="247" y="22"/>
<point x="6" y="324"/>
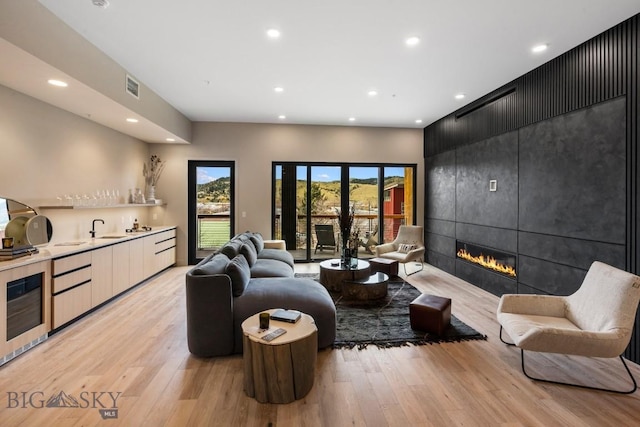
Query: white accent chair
<point x="408" y="246"/>
<point x="595" y="321"/>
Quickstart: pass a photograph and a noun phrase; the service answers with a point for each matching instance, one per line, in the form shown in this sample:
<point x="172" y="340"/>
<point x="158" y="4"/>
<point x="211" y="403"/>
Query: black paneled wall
<point x="561" y="142"/>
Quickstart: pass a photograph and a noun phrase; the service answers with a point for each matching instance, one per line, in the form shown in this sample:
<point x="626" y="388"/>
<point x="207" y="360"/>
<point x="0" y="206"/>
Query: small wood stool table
<point x="282" y="370"/>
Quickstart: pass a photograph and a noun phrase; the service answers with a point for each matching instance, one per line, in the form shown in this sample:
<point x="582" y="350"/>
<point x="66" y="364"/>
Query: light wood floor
<point x="137" y="346"/>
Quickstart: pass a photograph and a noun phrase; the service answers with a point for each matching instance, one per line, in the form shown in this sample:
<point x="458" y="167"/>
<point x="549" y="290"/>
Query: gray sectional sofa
<point x="240" y="280"/>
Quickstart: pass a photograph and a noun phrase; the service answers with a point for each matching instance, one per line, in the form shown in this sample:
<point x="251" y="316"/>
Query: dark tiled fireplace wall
<point x="562" y="144"/>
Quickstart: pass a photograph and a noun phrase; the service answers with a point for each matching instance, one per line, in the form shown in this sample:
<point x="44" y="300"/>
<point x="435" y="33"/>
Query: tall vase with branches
<point x="152" y="171"/>
<point x="345" y="221"/>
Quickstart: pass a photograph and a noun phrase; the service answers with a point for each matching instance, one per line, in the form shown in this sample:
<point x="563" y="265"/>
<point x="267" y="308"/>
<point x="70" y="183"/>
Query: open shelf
<point x="119" y="206"/>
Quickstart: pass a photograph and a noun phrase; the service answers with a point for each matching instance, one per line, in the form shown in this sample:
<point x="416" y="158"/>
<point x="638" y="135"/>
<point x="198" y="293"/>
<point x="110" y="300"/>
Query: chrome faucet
<point x="93" y="227"/>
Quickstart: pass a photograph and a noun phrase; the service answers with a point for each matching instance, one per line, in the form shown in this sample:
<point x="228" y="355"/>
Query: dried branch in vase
<point x="345" y="220"/>
<point x="152" y="170"/>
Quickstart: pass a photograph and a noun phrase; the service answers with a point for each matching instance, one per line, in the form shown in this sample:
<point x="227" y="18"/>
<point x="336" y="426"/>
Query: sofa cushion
<point x="231" y="249"/>
<point x="239" y="272"/>
<point x="278" y="255"/>
<point x="271" y="268"/>
<point x="249" y="251"/>
<point x="216" y="264"/>
<point x="257" y="240"/>
<point x="405" y="248"/>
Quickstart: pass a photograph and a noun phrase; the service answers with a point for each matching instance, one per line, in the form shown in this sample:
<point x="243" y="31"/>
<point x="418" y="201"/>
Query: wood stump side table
<point x="282" y="370"/>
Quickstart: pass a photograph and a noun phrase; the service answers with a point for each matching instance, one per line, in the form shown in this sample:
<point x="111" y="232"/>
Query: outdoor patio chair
<point x="326" y="237"/>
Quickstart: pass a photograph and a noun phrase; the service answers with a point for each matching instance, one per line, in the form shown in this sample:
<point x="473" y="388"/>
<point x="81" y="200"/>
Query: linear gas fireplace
<point x="491" y="259"/>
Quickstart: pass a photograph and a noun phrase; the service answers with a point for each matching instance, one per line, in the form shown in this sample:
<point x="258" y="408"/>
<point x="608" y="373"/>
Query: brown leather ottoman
<point x="384" y="265"/>
<point x="430" y="313"/>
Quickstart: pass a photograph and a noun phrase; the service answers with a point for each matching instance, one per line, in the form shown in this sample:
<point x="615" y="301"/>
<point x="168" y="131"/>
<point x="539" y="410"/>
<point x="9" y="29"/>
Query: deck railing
<point x="365" y="223"/>
<point x="214" y="229"/>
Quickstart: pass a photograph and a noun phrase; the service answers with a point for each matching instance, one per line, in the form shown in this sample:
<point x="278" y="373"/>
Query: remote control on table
<point x="275" y="334"/>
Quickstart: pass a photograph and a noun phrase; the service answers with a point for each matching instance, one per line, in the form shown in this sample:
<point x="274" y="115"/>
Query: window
<point x="309" y="194"/>
<point x="211" y="207"/>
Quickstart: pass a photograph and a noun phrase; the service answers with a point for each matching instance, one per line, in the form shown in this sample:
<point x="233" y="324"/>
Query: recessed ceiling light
<point x="278" y="89"/>
<point x="418" y="121"/>
<point x="132" y="120"/>
<point x="372" y="92"/>
<point x="58" y="83"/>
<point x="282" y="117"/>
<point x="352" y="119"/>
<point x="539" y="48"/>
<point x="412" y="41"/>
<point x="273" y="33"/>
<point x="170" y="140"/>
<point x="460" y="96"/>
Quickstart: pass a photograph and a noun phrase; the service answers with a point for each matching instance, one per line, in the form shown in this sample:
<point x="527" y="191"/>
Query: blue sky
<point x="318" y="173"/>
<point x="332" y="173"/>
<point x="208" y="174"/>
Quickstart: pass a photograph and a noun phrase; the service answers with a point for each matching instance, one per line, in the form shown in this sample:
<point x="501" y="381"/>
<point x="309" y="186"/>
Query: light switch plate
<point x="493" y="185"/>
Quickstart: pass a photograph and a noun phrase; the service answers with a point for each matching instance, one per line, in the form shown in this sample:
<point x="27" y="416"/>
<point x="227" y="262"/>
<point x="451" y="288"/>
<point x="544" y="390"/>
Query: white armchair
<point x="408" y="246"/>
<point x="595" y="321"/>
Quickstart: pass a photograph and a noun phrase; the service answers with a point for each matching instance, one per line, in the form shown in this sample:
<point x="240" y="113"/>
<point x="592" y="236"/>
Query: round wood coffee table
<point x="370" y="288"/>
<point x="282" y="370"/>
<point x="333" y="273"/>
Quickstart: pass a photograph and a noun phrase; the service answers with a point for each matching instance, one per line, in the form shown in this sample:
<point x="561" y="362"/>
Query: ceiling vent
<point x="132" y="87"/>
<point x="101" y="3"/>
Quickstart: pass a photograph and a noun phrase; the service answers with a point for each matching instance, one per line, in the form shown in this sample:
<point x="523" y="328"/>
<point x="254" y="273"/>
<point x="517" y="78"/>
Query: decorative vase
<point x="346" y="251"/>
<point x="151" y="194"/>
<point x="138" y="197"/>
<point x="346" y="256"/>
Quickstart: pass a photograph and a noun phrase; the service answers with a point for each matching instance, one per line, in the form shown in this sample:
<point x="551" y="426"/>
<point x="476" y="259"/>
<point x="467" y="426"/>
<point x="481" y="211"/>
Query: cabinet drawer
<point x="72" y="279"/>
<point x="166" y="244"/>
<point x="62" y="265"/>
<point x="165" y="235"/>
<point x="71" y="304"/>
<point x="166" y="259"/>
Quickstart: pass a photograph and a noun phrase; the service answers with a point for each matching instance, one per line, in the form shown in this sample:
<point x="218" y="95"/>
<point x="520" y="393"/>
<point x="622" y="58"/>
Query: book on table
<point x="17" y="251"/>
<point x="290" y="316"/>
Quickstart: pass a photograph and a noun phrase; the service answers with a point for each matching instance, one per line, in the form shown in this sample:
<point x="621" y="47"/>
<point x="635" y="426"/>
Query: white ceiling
<point x="212" y="60"/>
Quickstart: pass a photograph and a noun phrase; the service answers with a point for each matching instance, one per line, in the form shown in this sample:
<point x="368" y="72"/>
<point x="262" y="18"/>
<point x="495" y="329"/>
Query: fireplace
<point x="493" y="260"/>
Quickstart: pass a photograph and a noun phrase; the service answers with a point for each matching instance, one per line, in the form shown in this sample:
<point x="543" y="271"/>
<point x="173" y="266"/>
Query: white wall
<point x="30" y="26"/>
<point x="46" y="152"/>
<point x="254" y="147"/>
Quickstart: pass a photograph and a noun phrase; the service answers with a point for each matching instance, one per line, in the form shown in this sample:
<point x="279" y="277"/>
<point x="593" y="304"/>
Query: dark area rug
<point x="385" y="323"/>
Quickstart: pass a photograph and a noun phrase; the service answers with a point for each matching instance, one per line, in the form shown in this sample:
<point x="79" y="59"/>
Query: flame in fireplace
<point x="487" y="262"/>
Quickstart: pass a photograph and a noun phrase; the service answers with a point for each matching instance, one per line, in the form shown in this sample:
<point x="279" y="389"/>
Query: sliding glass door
<point x="398" y="200"/>
<point x="211" y="207"/>
<point x="308" y="197"/>
<point x="364" y="197"/>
